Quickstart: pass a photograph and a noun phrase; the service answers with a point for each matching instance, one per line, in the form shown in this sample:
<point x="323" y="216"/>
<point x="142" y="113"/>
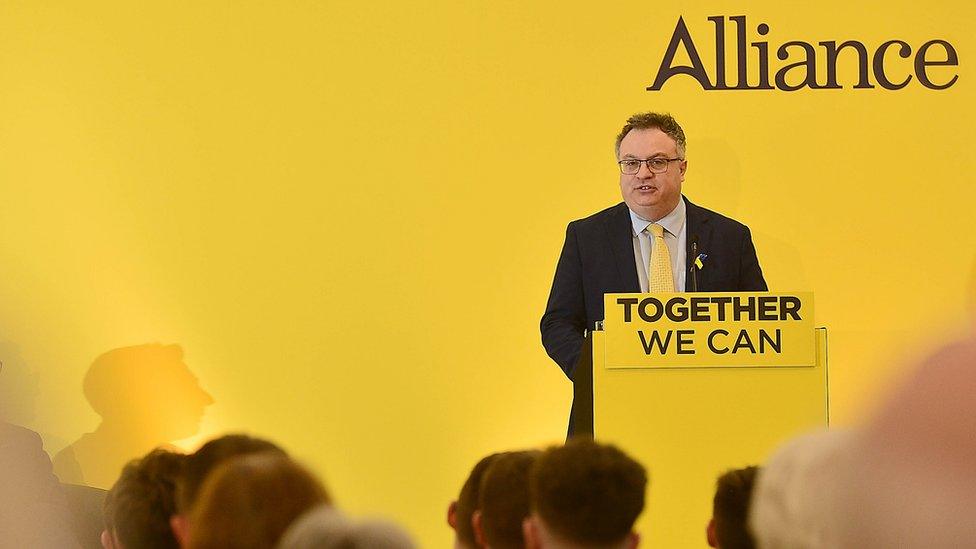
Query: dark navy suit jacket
<point x="598" y="258"/>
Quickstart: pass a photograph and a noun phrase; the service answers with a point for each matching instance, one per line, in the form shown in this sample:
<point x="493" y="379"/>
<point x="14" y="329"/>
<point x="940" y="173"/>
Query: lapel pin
<point x="699" y="261"/>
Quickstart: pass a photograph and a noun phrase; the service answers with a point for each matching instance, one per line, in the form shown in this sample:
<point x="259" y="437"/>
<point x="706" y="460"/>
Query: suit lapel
<point x="620" y="234"/>
<point x="698" y="225"/>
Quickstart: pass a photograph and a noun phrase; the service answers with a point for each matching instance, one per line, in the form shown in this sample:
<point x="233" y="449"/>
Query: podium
<point x="690" y="422"/>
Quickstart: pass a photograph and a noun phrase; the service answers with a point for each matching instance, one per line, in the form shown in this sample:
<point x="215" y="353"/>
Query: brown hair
<point x="138" y="507"/>
<point x="504" y="499"/>
<point x="587" y="493"/>
<point x="249" y="502"/>
<point x="200" y="463"/>
<point x="654" y="120"/>
<point x="730" y="508"/>
<point x="467" y="502"/>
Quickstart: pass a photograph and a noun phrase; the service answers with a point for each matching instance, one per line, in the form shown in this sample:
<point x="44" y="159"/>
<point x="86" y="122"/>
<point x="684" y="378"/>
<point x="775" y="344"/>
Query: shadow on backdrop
<point x="147" y="398"/>
<point x="18" y="391"/>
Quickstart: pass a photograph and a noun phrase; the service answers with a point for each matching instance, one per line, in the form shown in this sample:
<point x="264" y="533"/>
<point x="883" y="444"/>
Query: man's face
<point x="651" y="195"/>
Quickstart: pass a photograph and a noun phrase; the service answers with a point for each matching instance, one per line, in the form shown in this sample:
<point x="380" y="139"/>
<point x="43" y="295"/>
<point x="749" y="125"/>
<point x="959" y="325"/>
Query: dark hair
<point x="586" y="492"/>
<point x="654" y="120"/>
<point x="730" y="508"/>
<point x="138" y="506"/>
<point x="200" y="463"/>
<point x="250" y="501"/>
<point x="504" y="499"/>
<point x="467" y="502"/>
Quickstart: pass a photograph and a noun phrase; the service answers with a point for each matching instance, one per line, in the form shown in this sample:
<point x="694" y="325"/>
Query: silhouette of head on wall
<point x="148" y="386"/>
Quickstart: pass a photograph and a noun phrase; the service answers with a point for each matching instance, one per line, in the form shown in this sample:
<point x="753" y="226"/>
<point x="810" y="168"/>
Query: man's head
<point x="584" y="494"/>
<point x="651" y="152"/>
<point x="795" y="500"/>
<point x="139" y="505"/>
<point x="460" y="512"/>
<point x="199" y="465"/>
<point x="248" y="502"/>
<point x="729" y="527"/>
<point x="503" y="502"/>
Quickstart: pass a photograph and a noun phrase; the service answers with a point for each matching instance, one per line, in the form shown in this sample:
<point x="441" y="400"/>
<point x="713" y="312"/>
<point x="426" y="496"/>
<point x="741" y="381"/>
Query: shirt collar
<point x="672" y="223"/>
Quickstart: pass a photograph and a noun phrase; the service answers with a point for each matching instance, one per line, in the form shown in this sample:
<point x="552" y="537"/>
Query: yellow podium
<point x="747" y="371"/>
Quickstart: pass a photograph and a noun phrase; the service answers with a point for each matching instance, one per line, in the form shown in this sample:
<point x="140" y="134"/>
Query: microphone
<point x="691" y="268"/>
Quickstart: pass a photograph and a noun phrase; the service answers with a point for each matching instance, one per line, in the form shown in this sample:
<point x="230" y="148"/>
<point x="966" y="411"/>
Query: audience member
<point x="140" y="504"/>
<point x="913" y="483"/>
<point x="503" y="501"/>
<point x="461" y="511"/>
<point x="248" y="502"/>
<point x="794" y="501"/>
<point x="584" y="495"/>
<point x="33" y="510"/>
<point x="324" y="527"/>
<point x="198" y="466"/>
<point x="729" y="527"/>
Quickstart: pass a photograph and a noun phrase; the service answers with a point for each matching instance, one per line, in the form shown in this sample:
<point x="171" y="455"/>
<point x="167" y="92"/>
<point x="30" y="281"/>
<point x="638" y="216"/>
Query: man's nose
<point x="644" y="171"/>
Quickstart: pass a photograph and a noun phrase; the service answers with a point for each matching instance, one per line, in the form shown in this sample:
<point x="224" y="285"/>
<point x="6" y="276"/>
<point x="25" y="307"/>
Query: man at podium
<point x="656" y="240"/>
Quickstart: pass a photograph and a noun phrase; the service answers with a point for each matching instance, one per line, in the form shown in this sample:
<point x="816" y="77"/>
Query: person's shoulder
<point x="600" y="217"/>
<point x="16" y="436"/>
<point x="720" y="221"/>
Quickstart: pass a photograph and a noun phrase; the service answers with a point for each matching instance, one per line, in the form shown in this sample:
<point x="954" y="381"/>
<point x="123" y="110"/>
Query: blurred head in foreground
<point x="324" y="527"/>
<point x="460" y="512"/>
<point x="249" y="502"/>
<point x="729" y="527"/>
<point x="138" y="507"/>
<point x="503" y="502"/>
<point x="913" y="483"/>
<point x="199" y="465"/>
<point x="794" y="501"/>
<point x="584" y="494"/>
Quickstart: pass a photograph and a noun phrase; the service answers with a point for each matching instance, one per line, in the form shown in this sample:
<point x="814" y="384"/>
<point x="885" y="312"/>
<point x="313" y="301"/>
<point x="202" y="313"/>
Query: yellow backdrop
<point x="348" y="214"/>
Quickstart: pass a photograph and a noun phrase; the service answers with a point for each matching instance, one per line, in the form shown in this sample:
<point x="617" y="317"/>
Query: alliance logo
<point x="873" y="68"/>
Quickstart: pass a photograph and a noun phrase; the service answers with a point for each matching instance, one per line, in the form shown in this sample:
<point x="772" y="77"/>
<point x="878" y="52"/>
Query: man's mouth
<point x="645" y="188"/>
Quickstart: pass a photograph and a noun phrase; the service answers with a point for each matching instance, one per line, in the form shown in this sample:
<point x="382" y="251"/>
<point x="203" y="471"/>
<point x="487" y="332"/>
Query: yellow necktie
<point x="661" y="279"/>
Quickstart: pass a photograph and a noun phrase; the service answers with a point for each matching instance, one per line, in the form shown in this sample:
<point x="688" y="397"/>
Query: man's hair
<point x="138" y="507"/>
<point x="249" y="502"/>
<point x="587" y="493"/>
<point x="654" y="120"/>
<point x="504" y="499"/>
<point x="467" y="502"/>
<point x="730" y="508"/>
<point x="200" y="463"/>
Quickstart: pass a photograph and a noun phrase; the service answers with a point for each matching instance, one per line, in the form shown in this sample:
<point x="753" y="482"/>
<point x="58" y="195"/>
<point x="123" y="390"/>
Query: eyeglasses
<point x="657" y="164"/>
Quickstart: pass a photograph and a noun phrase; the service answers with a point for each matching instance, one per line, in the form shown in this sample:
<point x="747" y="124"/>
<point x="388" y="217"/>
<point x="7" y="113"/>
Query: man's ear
<point x="181" y="529"/>
<point x="530" y="534"/>
<point x="108" y="540"/>
<point x="452" y="515"/>
<point x="710" y="534"/>
<point x="633" y="540"/>
<point x="479" y="535"/>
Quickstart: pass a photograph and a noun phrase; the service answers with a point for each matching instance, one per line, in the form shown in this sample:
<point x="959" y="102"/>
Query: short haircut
<point x="654" y="120"/>
<point x="138" y="507"/>
<point x="730" y="508"/>
<point x="200" y="463"/>
<point x="587" y="493"/>
<point x="504" y="499"/>
<point x="250" y="501"/>
<point x="467" y="502"/>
